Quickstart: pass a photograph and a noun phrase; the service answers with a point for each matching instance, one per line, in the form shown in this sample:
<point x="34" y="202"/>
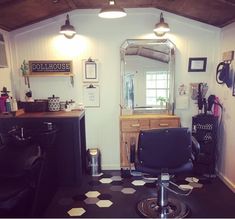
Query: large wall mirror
<point x="147" y="75"/>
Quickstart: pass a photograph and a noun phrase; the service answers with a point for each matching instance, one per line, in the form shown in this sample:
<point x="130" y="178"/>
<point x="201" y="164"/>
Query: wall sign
<point x="50" y="67"/>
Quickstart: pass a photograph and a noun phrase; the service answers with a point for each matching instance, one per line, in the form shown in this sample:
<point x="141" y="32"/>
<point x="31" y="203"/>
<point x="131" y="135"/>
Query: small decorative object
<point x="197" y="64"/>
<point x="162" y="101"/>
<point x="62" y="105"/>
<point x="53" y="103"/>
<point x="24" y="69"/>
<point x="4" y="92"/>
<point x="80" y="106"/>
<point x="182" y="90"/>
<point x="29" y="96"/>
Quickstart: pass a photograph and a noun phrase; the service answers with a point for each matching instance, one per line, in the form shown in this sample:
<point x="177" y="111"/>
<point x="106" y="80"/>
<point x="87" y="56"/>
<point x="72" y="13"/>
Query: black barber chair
<point x="163" y="153"/>
<point x="20" y="162"/>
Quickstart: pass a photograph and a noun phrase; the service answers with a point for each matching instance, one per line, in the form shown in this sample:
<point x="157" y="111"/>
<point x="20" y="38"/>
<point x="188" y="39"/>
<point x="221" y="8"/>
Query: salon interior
<point x="117" y="109"/>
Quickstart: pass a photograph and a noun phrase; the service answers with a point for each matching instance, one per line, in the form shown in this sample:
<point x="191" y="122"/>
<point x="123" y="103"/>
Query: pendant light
<point x="161" y="28"/>
<point x="112" y="11"/>
<point x="67" y="29"/>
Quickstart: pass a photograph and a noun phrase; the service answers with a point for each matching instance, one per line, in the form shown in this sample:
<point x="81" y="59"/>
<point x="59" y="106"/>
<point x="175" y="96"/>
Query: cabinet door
<point x="127" y="138"/>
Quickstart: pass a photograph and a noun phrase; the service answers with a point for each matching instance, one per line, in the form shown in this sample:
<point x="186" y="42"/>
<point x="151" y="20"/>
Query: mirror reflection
<point x="147" y="68"/>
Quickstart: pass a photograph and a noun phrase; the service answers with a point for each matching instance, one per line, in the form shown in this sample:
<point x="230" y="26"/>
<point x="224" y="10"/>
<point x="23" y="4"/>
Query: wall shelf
<point x="27" y="76"/>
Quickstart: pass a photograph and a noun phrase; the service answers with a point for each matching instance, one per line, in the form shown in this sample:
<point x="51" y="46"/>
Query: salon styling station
<point x="147" y="92"/>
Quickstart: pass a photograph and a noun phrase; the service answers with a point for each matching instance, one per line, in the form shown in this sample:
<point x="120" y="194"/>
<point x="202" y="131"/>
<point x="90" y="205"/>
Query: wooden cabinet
<point x="131" y="125"/>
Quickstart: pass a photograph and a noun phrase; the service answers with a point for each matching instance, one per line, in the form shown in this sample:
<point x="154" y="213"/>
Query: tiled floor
<point x="111" y="196"/>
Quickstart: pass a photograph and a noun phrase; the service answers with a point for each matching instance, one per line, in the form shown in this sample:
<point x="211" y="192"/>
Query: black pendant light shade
<point x="67" y="29"/>
<point x="112" y="10"/>
<point x="162" y="27"/>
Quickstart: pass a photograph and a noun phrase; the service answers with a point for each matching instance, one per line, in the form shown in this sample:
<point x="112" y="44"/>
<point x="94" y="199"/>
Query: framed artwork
<point x="90" y="70"/>
<point x="91" y="95"/>
<point x="197" y="64"/>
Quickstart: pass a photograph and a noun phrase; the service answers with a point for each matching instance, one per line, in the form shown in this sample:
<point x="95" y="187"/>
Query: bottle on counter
<point x="14" y="106"/>
<point x="8" y="105"/>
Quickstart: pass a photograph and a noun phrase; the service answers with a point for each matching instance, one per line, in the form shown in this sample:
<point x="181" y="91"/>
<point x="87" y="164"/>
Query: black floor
<point x="111" y="196"/>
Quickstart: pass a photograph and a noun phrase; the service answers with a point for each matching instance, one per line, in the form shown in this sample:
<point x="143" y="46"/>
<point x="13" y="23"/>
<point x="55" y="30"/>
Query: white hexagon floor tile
<point x="138" y="182"/>
<point x="92" y="194"/>
<point x="76" y="212"/>
<point x="196" y="185"/>
<point x="150" y="180"/>
<point x="104" y="203"/>
<point x="91" y="200"/>
<point x="185" y="186"/>
<point x="116" y="178"/>
<point x="106" y="180"/>
<point x="192" y="179"/>
<point x="128" y="190"/>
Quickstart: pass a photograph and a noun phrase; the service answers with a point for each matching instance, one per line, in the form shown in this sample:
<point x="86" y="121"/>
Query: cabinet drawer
<point x="164" y="123"/>
<point x="134" y="125"/>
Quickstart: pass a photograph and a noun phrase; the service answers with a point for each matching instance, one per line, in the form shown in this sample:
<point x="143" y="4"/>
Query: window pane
<point x="150" y="84"/>
<point x="162" y="76"/>
<point x="157" y="85"/>
<point x="161" y="93"/>
<point x="161" y="84"/>
<point x="151" y="93"/>
<point x="150" y="101"/>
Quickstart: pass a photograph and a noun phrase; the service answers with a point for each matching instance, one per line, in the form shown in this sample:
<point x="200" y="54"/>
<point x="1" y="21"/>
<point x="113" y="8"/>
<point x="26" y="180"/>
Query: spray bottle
<point x="216" y="110"/>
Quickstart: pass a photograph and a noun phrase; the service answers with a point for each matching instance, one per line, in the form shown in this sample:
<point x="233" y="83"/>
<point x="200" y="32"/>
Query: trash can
<point x="94" y="161"/>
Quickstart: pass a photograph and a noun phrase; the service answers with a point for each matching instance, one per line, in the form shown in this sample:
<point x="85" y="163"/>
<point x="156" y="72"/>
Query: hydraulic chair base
<point x="150" y="208"/>
<point x="162" y="206"/>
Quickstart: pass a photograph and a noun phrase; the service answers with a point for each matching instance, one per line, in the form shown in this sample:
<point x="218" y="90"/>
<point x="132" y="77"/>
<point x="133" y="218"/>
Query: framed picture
<point x="197" y="64"/>
<point x="90" y="70"/>
<point x="91" y="95"/>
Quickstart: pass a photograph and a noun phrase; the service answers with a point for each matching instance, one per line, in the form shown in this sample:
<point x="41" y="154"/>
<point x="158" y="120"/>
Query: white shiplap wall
<point x="101" y="39"/>
<point x="226" y="137"/>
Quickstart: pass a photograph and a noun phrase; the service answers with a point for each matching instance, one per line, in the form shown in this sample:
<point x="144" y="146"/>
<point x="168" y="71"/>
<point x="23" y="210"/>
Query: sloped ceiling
<point x="19" y="13"/>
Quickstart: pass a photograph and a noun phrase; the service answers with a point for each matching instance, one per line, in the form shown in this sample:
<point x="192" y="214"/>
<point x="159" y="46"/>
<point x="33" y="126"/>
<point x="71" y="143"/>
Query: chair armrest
<point x="195" y="147"/>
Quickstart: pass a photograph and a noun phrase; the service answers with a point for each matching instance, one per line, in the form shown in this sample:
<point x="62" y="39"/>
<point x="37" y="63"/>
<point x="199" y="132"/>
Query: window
<point x="157" y="88"/>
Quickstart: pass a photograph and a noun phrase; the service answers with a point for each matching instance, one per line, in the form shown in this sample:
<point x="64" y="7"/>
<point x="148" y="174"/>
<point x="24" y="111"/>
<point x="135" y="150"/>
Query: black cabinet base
<point x="204" y="129"/>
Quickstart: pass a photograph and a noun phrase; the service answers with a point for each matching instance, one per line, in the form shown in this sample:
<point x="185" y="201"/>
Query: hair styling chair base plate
<point x="150" y="209"/>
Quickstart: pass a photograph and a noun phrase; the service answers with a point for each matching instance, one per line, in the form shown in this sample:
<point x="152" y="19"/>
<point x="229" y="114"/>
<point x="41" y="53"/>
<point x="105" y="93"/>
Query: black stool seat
<point x="17" y="160"/>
